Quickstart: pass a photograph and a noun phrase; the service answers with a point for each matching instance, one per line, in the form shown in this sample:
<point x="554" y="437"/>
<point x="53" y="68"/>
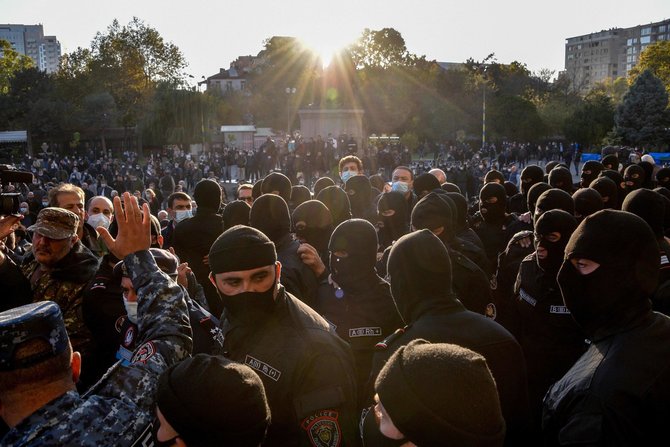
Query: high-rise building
<point x="611" y="53"/>
<point x="30" y="40"/>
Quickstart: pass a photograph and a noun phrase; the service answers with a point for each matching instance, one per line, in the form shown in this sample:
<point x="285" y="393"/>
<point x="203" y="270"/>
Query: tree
<point x="642" y="118"/>
<point x="380" y="49"/>
<point x="591" y="121"/>
<point x="656" y="57"/>
<point x="11" y="62"/>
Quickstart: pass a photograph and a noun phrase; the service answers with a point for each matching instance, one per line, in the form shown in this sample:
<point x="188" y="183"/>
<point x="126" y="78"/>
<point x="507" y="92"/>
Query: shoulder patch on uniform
<point x="323" y="429"/>
<point x="263" y="367"/>
<point x="144" y="353"/>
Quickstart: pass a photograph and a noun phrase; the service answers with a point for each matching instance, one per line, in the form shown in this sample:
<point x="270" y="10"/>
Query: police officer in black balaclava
<point x="610" y="162"/>
<point x="299" y="194"/>
<point x="359" y="190"/>
<point x="269" y="214"/>
<point x="277" y="183"/>
<point x="587" y="201"/>
<point x="561" y="178"/>
<point x="516" y="251"/>
<point x="425" y="183"/>
<point x="534" y="193"/>
<point x="354" y="298"/>
<point x="391" y="218"/>
<point x="651" y="206"/>
<point x="590" y="172"/>
<point x="663" y="178"/>
<point x="549" y="337"/>
<point x="497" y="226"/>
<point x="466" y="240"/>
<point x="530" y="175"/>
<point x="420" y="272"/>
<point x="618" y="180"/>
<point x="609" y="193"/>
<point x="337" y="202"/>
<point x="617" y="392"/>
<point x="313" y="224"/>
<point x="235" y="213"/>
<point x="470" y="283"/>
<point x="633" y="178"/>
<point x="648" y="169"/>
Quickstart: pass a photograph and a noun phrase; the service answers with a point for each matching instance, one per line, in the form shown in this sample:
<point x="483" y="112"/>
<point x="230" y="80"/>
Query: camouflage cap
<point x="56" y="223"/>
<point x="21" y="324"/>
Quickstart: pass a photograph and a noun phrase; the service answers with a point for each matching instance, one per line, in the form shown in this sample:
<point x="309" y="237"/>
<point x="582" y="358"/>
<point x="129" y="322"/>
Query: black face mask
<point x="316" y="237"/>
<point x="249" y="307"/>
<point x="347" y="272"/>
<point x="492" y="212"/>
<point x="582" y="294"/>
<point x="552" y="263"/>
<point x="155" y="426"/>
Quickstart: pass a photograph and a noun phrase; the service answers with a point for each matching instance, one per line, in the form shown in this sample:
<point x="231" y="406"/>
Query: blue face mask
<point x="346" y="175"/>
<point x="400" y="187"/>
<point x="182" y="214"/>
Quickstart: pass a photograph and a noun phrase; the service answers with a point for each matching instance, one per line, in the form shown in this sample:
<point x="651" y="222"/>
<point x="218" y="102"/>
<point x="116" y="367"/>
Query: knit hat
<point x="207" y="194"/>
<point x="241" y="248"/>
<point x="277" y="183"/>
<point x="425" y="183"/>
<point x="212" y="401"/>
<point x="610" y="161"/>
<point x="461" y="409"/>
<point x="587" y="201"/>
<point x="270" y="214"/>
<point x="236" y="213"/>
<point x="494" y="176"/>
<point x="321" y="183"/>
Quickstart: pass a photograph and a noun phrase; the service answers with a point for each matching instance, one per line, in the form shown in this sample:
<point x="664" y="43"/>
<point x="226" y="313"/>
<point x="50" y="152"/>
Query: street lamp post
<point x="289" y="91"/>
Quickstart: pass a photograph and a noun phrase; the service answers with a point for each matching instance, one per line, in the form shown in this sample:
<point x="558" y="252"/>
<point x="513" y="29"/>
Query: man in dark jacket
<point x="307" y="370"/>
<point x="420" y="271"/>
<point x="193" y="237"/>
<point x="353" y="297"/>
<point x="617" y="393"/>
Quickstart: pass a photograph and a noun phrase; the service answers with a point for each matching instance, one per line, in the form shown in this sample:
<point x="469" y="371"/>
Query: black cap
<point x="241" y="248"/>
<point x="41" y="320"/>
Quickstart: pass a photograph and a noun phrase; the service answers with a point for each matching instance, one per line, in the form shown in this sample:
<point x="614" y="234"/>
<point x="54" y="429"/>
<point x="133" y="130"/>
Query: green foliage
<point x="410" y="140"/>
<point x="11" y="62"/>
<point x="642" y="118"/>
<point x="656" y="57"/>
<point x="592" y="120"/>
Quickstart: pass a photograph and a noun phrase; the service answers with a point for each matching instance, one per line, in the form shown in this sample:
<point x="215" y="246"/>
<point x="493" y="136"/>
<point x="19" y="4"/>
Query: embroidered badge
<point x="559" y="310"/>
<point x="323" y="429"/>
<point x="263" y="367"/>
<point x="365" y="332"/>
<point x="129" y="336"/>
<point x="144" y="353"/>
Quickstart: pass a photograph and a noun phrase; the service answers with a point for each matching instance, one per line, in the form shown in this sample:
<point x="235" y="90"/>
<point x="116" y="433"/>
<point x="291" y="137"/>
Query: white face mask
<point x="180" y="215"/>
<point x="400" y="186"/>
<point x="131" y="309"/>
<point x="99" y="220"/>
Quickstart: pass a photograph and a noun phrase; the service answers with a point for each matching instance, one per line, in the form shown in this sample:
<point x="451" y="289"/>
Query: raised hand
<point x="134" y="227"/>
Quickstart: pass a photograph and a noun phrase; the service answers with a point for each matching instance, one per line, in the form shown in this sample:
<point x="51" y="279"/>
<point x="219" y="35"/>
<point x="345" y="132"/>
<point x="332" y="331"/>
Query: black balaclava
<point x="553" y="199"/>
<point x="610" y="162"/>
<point x="299" y="194"/>
<point x="420" y="271"/>
<point x="587" y="201"/>
<point x="553" y="221"/>
<point x="425" y="183"/>
<point x="492" y="203"/>
<point x="359" y="190"/>
<point x="650" y="206"/>
<point x="461" y="217"/>
<point x="534" y="193"/>
<point x="663" y="178"/>
<point x="608" y="192"/>
<point x="590" y="172"/>
<point x="510" y="189"/>
<point x="358" y="238"/>
<point x="561" y="178"/>
<point x="450" y="187"/>
<point x="277" y="183"/>
<point x="269" y="214"/>
<point x="337" y="202"/>
<point x="433" y="212"/>
<point x="549" y="166"/>
<point x="530" y="175"/>
<point x="236" y="213"/>
<point x="494" y="176"/>
<point x="321" y="183"/>
<point x="617" y="178"/>
<point x="207" y="195"/>
<point x="665" y="193"/>
<point x="648" y="169"/>
<point x="256" y="189"/>
<point x="391" y="225"/>
<point x="633" y="177"/>
<point x="609" y="299"/>
<point x="313" y="223"/>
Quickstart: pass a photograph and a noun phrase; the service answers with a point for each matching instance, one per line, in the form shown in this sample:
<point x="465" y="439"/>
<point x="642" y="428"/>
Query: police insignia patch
<point x="144" y="353"/>
<point x="323" y="429"/>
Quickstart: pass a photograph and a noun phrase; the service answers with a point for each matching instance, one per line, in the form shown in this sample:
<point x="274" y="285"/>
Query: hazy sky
<point x="211" y="34"/>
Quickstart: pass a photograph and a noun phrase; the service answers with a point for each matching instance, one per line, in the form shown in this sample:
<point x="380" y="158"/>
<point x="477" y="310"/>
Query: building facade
<point x="45" y="51"/>
<point x="609" y="54"/>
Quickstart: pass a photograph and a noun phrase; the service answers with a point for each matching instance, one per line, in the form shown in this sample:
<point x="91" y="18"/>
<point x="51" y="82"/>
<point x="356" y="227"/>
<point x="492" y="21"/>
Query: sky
<point x="212" y="34"/>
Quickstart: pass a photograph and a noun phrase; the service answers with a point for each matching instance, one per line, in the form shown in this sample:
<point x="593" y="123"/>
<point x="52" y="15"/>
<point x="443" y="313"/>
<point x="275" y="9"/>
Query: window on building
<point x="629" y="42"/>
<point x="661" y="37"/>
<point x="645" y="31"/>
<point x="229" y="86"/>
<point x="661" y="29"/>
<point x="645" y="40"/>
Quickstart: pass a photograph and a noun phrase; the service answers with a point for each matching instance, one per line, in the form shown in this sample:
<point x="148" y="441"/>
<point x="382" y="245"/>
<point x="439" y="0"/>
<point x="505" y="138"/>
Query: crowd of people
<point x="468" y="298"/>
